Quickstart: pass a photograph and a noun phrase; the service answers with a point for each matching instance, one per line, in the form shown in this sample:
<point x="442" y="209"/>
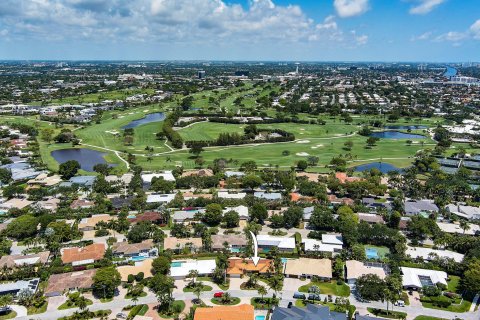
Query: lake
<point x="151" y="117"/>
<point x="87" y="158"/>
<point x="450" y="72"/>
<point x="396" y="135"/>
<point x="406" y="127"/>
<point x="382" y="166"/>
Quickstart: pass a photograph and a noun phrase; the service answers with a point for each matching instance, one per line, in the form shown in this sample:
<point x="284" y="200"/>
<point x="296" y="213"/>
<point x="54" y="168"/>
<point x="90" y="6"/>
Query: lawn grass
<point x="453" y="283"/>
<point x="328" y="288"/>
<point x="223" y="286"/>
<point x="388" y="314"/>
<point x="428" y="318"/>
<point x="41" y="309"/>
<point x="143" y="294"/>
<point x="204" y="288"/>
<point x="105" y="300"/>
<point x="464" y="306"/>
<point x="9" y="315"/>
<point x="179" y="303"/>
<point x="404" y="297"/>
<point x="233" y="301"/>
<point x="265" y="303"/>
<point x="66" y="305"/>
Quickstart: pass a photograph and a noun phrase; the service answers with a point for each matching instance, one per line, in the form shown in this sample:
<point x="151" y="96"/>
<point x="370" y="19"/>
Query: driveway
<point x="20" y="310"/>
<point x="55" y="302"/>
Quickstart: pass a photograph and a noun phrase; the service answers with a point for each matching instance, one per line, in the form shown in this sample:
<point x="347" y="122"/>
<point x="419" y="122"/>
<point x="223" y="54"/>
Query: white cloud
<point x="425" y="6"/>
<point x="424" y="36"/>
<point x="452" y="36"/>
<point x="350" y="8"/>
<point x="475" y="30"/>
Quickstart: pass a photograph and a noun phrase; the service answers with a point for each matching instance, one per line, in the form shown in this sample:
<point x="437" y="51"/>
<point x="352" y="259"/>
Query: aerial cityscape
<point x="240" y="160"/>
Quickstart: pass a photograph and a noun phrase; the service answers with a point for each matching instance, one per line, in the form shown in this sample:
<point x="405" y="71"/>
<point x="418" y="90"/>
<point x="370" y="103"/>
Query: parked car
<point x="290" y="304"/>
<point x="218" y="294"/>
<point x="121" y="315"/>
<point x="399" y="303"/>
<point x="314" y="296"/>
<point x="299" y="295"/>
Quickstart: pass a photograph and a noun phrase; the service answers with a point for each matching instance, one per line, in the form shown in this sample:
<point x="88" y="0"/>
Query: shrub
<point x="139" y="277"/>
<point x="130" y="278"/>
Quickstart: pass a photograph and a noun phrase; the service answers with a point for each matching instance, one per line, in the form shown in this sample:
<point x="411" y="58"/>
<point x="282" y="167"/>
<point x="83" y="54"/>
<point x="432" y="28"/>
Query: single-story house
<point x="180" y="269"/>
<point x="49" y="203"/>
<point x="370" y="218"/>
<point x="83" y="181"/>
<point x="236" y="243"/>
<point x="19" y="260"/>
<point x="160" y="198"/>
<point x="87" y="224"/>
<point x="18" y="203"/>
<point x="166" y="175"/>
<point x="269" y="196"/>
<point x="145" y="248"/>
<point x="241" y="210"/>
<point x="330" y="243"/>
<point x="428" y="254"/>
<point x="198" y="173"/>
<point x="307" y="213"/>
<point x="61" y="282"/>
<point x="414" y="278"/>
<point x="267" y="242"/>
<point x="355" y="269"/>
<point x="182" y="216"/>
<point x="81" y="204"/>
<point x="13" y="288"/>
<point x="45" y="180"/>
<point x="238" y="267"/>
<point x="464" y="211"/>
<point x="151" y="216"/>
<point x="173" y="243"/>
<point x="80" y="256"/>
<point x="312" y="311"/>
<point x="144" y="266"/>
<point x="191" y="195"/>
<point x="241" y="312"/>
<point x="304" y="267"/>
<point x="225" y="194"/>
<point x="454" y="228"/>
<point x="420" y="207"/>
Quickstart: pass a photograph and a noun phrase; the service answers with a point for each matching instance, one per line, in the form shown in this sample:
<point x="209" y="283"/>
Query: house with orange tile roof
<point x="343" y="178"/>
<point x="238" y="267"/>
<point x="241" y="312"/>
<point x="80" y="256"/>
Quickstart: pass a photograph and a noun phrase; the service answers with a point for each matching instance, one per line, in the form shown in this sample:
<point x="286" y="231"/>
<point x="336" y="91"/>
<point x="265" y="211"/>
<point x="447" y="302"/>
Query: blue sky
<point x="311" y="30"/>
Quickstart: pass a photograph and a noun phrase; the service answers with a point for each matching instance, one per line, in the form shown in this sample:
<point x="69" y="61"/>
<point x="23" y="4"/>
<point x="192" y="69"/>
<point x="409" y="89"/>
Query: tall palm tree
<point x="464" y="225"/>
<point x="262" y="291"/>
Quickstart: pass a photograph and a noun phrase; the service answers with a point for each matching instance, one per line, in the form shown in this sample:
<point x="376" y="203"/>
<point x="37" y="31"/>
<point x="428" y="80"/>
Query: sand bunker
<point x="302" y="154"/>
<point x="303" y="141"/>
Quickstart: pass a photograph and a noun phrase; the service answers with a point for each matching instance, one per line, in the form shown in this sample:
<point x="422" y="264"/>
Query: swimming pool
<point x="132" y="216"/>
<point x="284" y="260"/>
<point x="259" y="317"/>
<point x="371" y="253"/>
<point x="138" y="258"/>
<point x="235" y="250"/>
<point x="2" y="212"/>
<point x="176" y="264"/>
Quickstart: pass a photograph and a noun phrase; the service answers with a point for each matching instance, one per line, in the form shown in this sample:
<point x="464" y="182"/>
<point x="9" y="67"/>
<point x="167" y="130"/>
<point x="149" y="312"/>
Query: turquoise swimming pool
<point x="138" y="258"/>
<point x="176" y="264"/>
<point x="371" y="253"/>
<point x="259" y="317"/>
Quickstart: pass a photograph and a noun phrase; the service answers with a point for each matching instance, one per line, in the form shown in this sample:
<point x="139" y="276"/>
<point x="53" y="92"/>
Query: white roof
<point x="202" y="266"/>
<point x="241" y="210"/>
<point x="167" y="175"/>
<point x="455" y="228"/>
<point x="154" y="198"/>
<point x="332" y="238"/>
<point x="228" y="195"/>
<point x="411" y="276"/>
<point x="311" y="245"/>
<point x="280" y="242"/>
<point x="428" y="254"/>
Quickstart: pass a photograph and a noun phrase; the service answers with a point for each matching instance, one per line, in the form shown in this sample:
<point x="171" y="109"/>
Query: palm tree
<point x="226" y="298"/>
<point x="262" y="291"/>
<point x="82" y="303"/>
<point x="135" y="299"/>
<point x="197" y="290"/>
<point x="192" y="274"/>
<point x="464" y="225"/>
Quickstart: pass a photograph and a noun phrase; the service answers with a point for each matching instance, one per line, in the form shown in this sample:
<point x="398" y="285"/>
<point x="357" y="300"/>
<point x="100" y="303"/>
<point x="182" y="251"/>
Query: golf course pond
<point x="151" y="117"/>
<point x="396" y="135"/>
<point x="87" y="158"/>
<point x="381" y="166"/>
<point x="400" y="127"/>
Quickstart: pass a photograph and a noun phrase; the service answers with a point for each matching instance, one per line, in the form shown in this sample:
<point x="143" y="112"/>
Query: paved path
<point x="20" y="310"/>
<point x="474" y="303"/>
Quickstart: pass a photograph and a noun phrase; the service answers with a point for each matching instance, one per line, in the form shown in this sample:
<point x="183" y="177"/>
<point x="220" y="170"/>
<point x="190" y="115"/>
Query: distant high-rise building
<point x="201" y="74"/>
